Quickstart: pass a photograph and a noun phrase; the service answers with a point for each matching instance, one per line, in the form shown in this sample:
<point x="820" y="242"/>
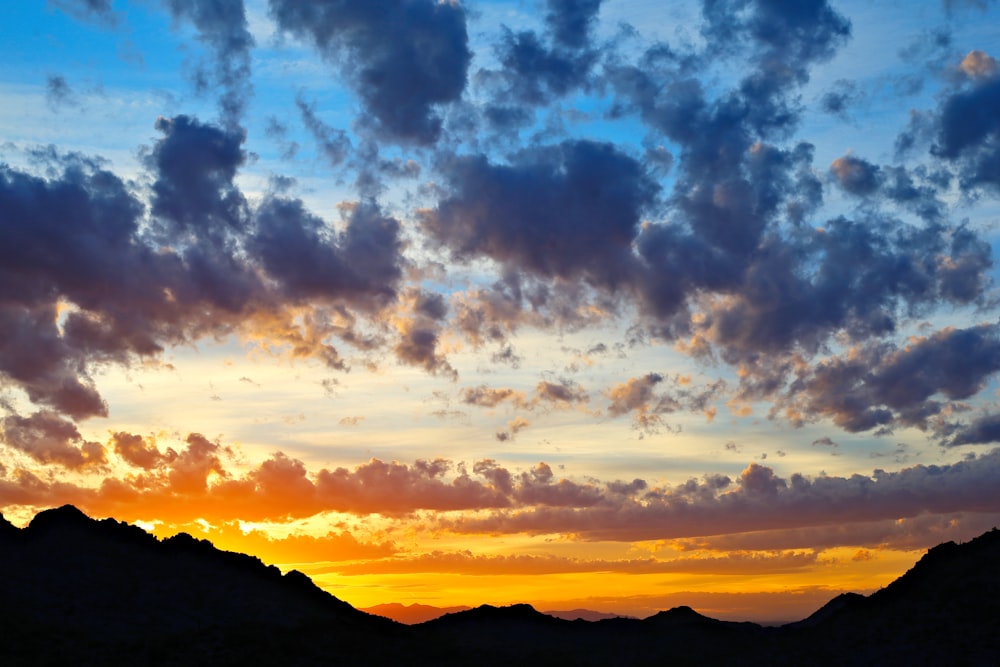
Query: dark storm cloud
<point x="222" y="25"/>
<point x="781" y="33"/>
<point x="360" y="265"/>
<point x="730" y="185"/>
<point x="983" y="430"/>
<point x="859" y="277"/>
<point x="404" y="58"/>
<point x="195" y="166"/>
<point x="537" y="68"/>
<point x="968" y="132"/>
<point x="532" y="74"/>
<point x="885" y="385"/>
<point x="87" y="277"/>
<point x="566" y="211"/>
<point x="570" y="21"/>
<point x="69" y="237"/>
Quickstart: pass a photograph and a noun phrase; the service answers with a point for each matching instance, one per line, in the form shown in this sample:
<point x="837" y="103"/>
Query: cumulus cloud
<point x="48" y="438"/>
<point x="404" y="60"/>
<point x="567" y="211"/>
<point x="983" y="430"/>
<point x="139" y="452"/>
<point x="537" y="68"/>
<point x="855" y="175"/>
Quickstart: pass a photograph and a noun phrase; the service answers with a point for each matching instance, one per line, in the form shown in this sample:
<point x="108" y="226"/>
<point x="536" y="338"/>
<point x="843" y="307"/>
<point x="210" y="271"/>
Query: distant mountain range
<point x="412" y="614"/>
<point x="85" y="592"/>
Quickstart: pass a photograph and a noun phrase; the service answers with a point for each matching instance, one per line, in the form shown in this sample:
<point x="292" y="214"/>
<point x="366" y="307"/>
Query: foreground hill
<point x="80" y="591"/>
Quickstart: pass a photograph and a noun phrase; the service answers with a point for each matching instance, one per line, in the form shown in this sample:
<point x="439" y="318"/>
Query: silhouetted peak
<point x="513" y="611"/>
<point x="489" y="615"/>
<point x="943" y="566"/>
<point x="7" y="528"/>
<point x="682" y="614"/>
<point x="588" y="615"/>
<point x="59" y="518"/>
<point x="843" y="603"/>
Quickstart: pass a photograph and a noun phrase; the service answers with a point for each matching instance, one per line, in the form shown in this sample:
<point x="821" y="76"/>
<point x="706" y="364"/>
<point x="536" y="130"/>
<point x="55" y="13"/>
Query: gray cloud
<point x="222" y="25"/>
<point x="404" y="59"/>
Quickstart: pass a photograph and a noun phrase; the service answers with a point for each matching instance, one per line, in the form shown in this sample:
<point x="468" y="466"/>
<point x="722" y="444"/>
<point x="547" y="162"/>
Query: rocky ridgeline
<point x="80" y="591"/>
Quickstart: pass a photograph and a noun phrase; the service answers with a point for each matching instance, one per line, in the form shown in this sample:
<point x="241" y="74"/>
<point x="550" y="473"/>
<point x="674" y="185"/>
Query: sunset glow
<point x="605" y="304"/>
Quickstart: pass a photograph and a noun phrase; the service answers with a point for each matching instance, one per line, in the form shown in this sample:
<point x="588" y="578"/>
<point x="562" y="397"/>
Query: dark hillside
<point x="85" y="592"/>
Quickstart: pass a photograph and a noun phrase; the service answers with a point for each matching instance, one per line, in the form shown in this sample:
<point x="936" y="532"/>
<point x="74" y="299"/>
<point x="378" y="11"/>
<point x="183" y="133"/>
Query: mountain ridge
<point x="93" y="591"/>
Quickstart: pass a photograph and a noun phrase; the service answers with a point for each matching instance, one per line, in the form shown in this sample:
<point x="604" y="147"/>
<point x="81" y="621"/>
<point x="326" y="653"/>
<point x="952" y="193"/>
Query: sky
<point x="616" y="304"/>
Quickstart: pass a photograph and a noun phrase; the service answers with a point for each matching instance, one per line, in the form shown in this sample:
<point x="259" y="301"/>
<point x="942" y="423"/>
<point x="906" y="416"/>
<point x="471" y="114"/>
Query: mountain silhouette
<point x="87" y="592"/>
<point x="411" y="614"/>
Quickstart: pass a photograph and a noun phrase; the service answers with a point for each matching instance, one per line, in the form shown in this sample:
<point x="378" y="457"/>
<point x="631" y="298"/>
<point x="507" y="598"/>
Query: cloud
<point x="534" y="68"/>
<point x="759" y="501"/>
<point x="978" y="64"/>
<point x="403" y="60"/>
<point x="222" y="25"/>
<point x="839" y="99"/>
<point x="983" y="430"/>
<point x="563" y="394"/>
<point x="195" y="192"/>
<point x="490" y="398"/>
<point x="334" y="144"/>
<point x="967" y="132"/>
<point x="47" y="438"/>
<point x="361" y="265"/>
<point x="881" y="384"/>
<point x="58" y="93"/>
<point x="136" y="451"/>
<point x="634" y="394"/>
<point x="468" y="563"/>
<point x="99" y="11"/>
<point x="913" y="533"/>
<point x="568" y="211"/>
<point x="197" y="482"/>
<point x="855" y="175"/>
<point x="638" y="395"/>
